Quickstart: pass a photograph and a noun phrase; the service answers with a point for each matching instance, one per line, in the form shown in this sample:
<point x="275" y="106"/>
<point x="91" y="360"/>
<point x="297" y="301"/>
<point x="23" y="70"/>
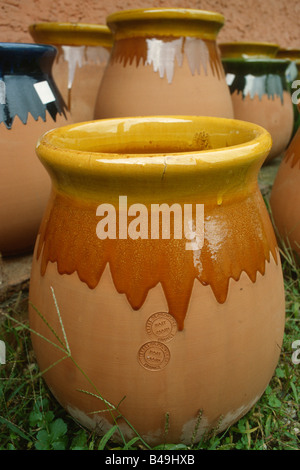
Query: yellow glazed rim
<point x="95" y="147"/>
<point x="248" y="48"/>
<point x="165" y="22"/>
<point x="292" y="54"/>
<point x="71" y="34"/>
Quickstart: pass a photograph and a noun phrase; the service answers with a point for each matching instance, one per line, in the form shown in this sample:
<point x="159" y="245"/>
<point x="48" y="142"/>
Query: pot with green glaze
<point x="260" y="94"/>
<point x="294" y="80"/>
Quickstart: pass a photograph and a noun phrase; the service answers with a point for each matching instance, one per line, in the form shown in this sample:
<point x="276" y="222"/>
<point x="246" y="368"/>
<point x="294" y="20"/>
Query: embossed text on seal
<point x="154" y="355"/>
<point x="162" y="326"/>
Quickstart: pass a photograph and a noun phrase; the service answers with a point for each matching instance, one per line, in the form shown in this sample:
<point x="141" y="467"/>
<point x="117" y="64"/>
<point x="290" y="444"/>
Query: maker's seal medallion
<point x="154" y="355"/>
<point x="161" y="326"/>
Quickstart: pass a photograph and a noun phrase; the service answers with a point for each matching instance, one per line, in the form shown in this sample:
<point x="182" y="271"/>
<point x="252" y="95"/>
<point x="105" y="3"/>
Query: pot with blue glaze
<point x="260" y="94"/>
<point x="30" y="105"/>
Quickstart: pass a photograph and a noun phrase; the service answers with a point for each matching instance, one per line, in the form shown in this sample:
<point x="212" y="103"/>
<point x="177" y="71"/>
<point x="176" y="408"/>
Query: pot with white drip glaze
<point x="82" y="53"/>
<point x="164" y="61"/>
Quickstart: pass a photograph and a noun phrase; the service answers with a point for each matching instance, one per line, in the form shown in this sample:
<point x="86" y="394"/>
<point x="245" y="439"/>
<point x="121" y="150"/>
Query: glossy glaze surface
<point x="27" y="86"/>
<point x="71" y="34"/>
<point x="244" y="49"/>
<point x="165" y="21"/>
<point x="291" y="54"/>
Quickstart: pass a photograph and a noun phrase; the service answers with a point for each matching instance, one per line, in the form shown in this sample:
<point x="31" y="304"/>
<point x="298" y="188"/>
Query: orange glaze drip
<point x="238" y="238"/>
<point x="292" y="153"/>
<point x="134" y="51"/>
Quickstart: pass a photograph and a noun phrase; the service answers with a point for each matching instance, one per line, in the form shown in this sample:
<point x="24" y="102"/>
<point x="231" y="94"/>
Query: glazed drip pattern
<point x="238" y="238"/>
<point x="79" y="56"/>
<point x="26" y="83"/>
<point x="164" y="53"/>
<point x="270" y="85"/>
<point x="24" y="95"/>
<point x="292" y="154"/>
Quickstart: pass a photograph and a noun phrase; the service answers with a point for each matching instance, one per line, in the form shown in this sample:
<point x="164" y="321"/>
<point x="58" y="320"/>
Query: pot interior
<point x="154" y="135"/>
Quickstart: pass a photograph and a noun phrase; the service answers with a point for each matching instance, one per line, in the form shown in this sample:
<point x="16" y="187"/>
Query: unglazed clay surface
<point x="285" y="196"/>
<point x="25" y="188"/>
<point x="78" y="72"/>
<point x="217" y="366"/>
<point x="274" y="113"/>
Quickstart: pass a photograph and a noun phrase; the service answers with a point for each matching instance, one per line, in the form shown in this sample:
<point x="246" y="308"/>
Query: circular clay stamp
<point x="154" y="355"/>
<point x="162" y="326"/>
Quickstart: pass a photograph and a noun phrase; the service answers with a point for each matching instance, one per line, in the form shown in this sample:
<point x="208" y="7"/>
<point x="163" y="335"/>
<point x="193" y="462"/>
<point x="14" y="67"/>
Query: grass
<point x="31" y="419"/>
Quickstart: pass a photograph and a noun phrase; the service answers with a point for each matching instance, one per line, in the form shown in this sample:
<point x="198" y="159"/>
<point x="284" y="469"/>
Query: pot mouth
<point x="71" y="34"/>
<point x="134" y="142"/>
<point x="165" y="22"/>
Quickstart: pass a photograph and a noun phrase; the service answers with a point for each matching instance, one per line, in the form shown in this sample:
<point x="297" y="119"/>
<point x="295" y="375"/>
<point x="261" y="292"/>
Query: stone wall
<point x="254" y="20"/>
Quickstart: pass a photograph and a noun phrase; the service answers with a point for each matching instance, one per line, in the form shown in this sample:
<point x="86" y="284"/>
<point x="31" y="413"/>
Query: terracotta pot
<point x="248" y="49"/>
<point x="167" y="326"/>
<point x="30" y="105"/>
<point x="164" y="61"/>
<point x="83" y="52"/>
<point x="260" y="94"/>
<point x="294" y="56"/>
<point x="285" y="197"/>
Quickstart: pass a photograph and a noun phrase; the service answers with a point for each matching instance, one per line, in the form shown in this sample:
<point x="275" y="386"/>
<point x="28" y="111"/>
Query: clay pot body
<point x="285" y="197"/>
<point x="164" y="61"/>
<point x="30" y="105"/>
<point x="83" y="52"/>
<point x="244" y="49"/>
<point x="260" y="94"/>
<point x="186" y="333"/>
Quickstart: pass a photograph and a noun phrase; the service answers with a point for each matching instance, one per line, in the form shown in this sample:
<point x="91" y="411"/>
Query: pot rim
<point x="165" y="22"/>
<point x="54" y="148"/>
<point x="249" y="43"/>
<point x="259" y="60"/>
<point x="27" y="47"/>
<point x="289" y="53"/>
<point x="248" y="48"/>
<point x="71" y="34"/>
